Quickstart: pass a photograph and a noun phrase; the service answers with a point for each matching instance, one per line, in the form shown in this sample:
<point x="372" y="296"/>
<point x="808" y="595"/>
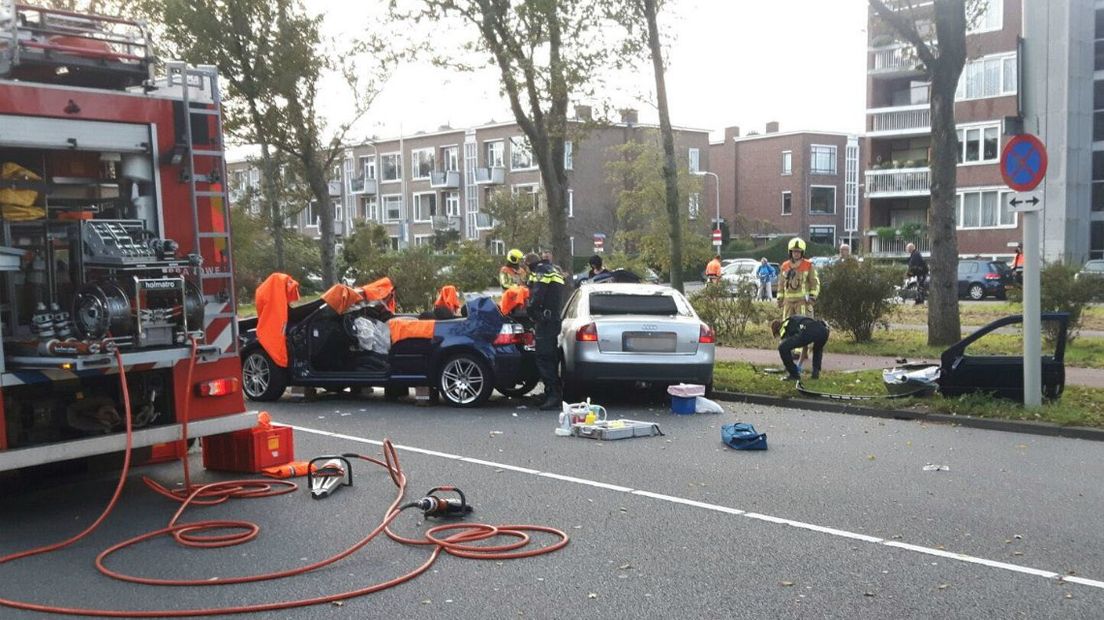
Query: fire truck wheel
<point x="262" y="379"/>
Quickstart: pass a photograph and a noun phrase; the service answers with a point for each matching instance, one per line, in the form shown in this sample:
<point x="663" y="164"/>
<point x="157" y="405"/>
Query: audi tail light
<point x="706" y="335"/>
<point x="587" y="333"/>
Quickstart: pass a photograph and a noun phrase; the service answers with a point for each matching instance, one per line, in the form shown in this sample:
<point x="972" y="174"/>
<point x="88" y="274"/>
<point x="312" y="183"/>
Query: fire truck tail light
<point x="218" y="387"/>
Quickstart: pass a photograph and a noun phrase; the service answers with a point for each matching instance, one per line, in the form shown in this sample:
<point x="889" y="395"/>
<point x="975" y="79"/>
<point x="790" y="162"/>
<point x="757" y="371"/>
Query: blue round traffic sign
<point x="1023" y="162"/>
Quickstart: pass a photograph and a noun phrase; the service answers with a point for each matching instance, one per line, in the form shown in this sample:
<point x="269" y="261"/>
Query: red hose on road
<point x="194" y="534"/>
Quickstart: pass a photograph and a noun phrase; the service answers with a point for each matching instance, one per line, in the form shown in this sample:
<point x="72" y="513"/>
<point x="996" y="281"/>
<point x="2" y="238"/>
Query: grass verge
<point x="1085" y="352"/>
<point x="978" y="314"/>
<point x="1079" y="406"/>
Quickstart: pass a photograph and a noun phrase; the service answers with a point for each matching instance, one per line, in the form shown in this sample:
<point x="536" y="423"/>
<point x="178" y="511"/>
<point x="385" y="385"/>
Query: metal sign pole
<point x="1032" y="323"/>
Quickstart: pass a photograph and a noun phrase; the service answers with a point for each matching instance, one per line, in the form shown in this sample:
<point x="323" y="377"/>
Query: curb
<point x="1012" y="426"/>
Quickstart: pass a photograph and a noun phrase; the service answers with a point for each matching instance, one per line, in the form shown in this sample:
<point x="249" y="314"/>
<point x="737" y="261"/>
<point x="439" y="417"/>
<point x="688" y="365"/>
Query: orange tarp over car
<point x="401" y="329"/>
<point x="272" y="299"/>
<point x="382" y="290"/>
<point x="513" y="298"/>
<point x="342" y="298"/>
<point x="449" y="297"/>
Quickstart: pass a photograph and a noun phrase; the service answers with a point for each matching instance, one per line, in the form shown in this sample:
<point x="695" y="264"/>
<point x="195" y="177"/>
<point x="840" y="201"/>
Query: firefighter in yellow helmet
<point x="511" y="273"/>
<point x="798" y="285"/>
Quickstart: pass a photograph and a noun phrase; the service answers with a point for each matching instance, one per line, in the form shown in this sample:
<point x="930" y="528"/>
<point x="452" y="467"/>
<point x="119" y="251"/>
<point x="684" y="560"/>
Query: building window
<point x="979" y="145"/>
<point x="350" y="164"/>
<point x="569" y="155"/>
<point x="310" y="215"/>
<point x="1098" y="181"/>
<point x="570" y="203"/>
<point x="822" y="159"/>
<point x="494" y="154"/>
<point x="421" y="163"/>
<point x="694" y="160"/>
<point x="825" y="235"/>
<point x="992" y="76"/>
<point x="533" y="190"/>
<point x="822" y="200"/>
<point x="695" y="205"/>
<point x="521" y="154"/>
<point x="985" y="209"/>
<point x="450" y="158"/>
<point x="787" y="203"/>
<point x="425" y="206"/>
<point x="498" y="247"/>
<point x="394" y="243"/>
<point x="991" y="18"/>
<point x="452" y="204"/>
<point x="336" y="208"/>
<point x="420" y="240"/>
<point x="371" y="209"/>
<point x="392" y="208"/>
<point x="368" y="167"/>
<point x="787" y="162"/>
<point x="391" y="167"/>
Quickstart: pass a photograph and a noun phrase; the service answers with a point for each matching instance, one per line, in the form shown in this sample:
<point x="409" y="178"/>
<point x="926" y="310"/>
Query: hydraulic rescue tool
<point x="442" y="507"/>
<point x="327" y="474"/>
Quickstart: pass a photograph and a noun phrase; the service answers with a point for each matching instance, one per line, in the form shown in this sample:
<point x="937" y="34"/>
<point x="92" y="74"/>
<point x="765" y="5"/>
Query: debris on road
<point x="932" y="467"/>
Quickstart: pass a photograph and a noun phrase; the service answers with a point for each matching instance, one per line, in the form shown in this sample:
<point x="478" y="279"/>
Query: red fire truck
<point x="114" y="237"/>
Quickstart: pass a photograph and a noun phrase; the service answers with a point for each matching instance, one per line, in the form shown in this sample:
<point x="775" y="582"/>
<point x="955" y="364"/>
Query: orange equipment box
<point x="249" y="450"/>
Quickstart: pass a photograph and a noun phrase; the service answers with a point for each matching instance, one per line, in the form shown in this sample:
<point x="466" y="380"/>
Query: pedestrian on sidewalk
<point x="767" y="276"/>
<point x="798" y="332"/>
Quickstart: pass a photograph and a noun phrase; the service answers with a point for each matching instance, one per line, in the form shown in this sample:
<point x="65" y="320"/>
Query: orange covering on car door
<point x="401" y="329"/>
<point x="272" y="299"/>
<point x="381" y="290"/>
<point x="513" y="298"/>
<point x="449" y="297"/>
<point x="342" y="298"/>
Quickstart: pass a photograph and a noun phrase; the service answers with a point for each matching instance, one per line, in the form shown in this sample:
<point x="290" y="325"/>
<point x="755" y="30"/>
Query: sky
<point x="731" y="62"/>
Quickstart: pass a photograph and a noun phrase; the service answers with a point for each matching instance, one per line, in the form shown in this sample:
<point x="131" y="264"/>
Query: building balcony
<point x="895" y="247"/>
<point x="898" y="182"/>
<point x="445" y="179"/>
<point x="335" y="188"/>
<point x="896" y="61"/>
<point x="361" y="185"/>
<point x="495" y="175"/>
<point x="909" y="120"/>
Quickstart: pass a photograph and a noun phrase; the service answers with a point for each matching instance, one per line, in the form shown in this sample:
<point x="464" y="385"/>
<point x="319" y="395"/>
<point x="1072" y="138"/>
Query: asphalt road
<point x="836" y="520"/>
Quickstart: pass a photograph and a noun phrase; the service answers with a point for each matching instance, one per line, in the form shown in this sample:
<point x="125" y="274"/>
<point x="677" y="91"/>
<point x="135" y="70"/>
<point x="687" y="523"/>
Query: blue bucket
<point x="683" y="405"/>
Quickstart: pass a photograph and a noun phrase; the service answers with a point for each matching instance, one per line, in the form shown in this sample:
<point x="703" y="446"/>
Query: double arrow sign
<point x="1015" y="202"/>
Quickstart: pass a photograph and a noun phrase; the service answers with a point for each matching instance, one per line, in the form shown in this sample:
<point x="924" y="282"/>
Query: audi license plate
<point x="649" y="342"/>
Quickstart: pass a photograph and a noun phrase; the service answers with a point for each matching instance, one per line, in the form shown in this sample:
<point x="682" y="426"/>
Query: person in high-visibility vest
<point x="713" y="270"/>
<point x="511" y="274"/>
<point x="1017" y="264"/>
<point x="798" y="282"/>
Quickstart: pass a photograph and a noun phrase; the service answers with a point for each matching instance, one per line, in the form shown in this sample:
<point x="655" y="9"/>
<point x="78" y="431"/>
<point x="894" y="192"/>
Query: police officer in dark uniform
<point x="546" y="285"/>
<point x="799" y="332"/>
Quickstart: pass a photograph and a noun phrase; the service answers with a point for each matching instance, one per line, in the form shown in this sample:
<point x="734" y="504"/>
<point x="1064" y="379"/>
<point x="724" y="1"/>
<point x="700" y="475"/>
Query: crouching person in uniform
<point x="546" y="285"/>
<point x="799" y="332"/>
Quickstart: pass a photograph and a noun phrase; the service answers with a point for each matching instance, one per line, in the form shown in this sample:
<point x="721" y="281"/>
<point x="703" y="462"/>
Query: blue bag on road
<point x="740" y="436"/>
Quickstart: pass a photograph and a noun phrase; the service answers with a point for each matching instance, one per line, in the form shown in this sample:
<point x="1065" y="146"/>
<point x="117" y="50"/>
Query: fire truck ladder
<point x="208" y="191"/>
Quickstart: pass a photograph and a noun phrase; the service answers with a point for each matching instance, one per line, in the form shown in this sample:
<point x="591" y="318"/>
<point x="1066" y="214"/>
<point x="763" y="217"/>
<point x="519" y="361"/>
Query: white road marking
<point x="830" y="531"/>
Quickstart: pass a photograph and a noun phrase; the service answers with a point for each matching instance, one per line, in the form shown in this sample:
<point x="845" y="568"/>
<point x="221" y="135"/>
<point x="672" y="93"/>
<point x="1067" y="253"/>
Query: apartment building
<point x="786" y="184"/>
<point x="426" y="182"/>
<point x="1029" y="68"/>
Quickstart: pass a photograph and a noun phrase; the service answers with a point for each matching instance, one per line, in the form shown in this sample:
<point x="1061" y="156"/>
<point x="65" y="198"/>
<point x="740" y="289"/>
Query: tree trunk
<point x="320" y="189"/>
<point x="670" y="164"/>
<point x="275" y="213"/>
<point x="944" y="327"/>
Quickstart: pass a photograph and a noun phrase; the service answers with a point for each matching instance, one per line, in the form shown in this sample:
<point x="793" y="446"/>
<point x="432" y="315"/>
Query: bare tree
<point x="546" y="52"/>
<point x="942" y="60"/>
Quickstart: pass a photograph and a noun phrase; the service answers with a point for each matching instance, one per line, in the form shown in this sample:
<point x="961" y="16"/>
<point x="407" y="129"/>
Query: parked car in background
<point x="980" y="278"/>
<point x="1092" y="269"/>
<point x="633" y="332"/>
<point x="740" y="272"/>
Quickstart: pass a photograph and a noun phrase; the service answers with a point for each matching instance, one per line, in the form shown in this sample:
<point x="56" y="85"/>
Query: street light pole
<point x="717" y="182"/>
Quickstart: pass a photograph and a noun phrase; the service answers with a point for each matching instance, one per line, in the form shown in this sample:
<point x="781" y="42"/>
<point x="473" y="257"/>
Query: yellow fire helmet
<point x="797" y="244"/>
<point x="514" y="256"/>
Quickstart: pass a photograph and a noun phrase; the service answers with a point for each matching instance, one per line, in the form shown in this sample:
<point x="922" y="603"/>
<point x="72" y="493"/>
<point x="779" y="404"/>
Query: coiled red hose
<point x="197" y="534"/>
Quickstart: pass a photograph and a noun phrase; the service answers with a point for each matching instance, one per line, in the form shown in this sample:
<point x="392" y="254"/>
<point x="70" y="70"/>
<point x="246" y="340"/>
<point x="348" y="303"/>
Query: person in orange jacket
<point x="713" y="270"/>
<point x="798" y="282"/>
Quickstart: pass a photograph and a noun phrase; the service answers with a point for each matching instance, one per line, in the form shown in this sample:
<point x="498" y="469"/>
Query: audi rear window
<point x="624" y="303"/>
